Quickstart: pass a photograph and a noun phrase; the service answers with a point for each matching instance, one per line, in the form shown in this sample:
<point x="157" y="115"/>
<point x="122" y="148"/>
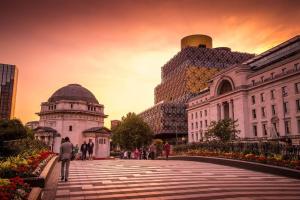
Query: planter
<point x="39" y="182"/>
<point x="271" y="169"/>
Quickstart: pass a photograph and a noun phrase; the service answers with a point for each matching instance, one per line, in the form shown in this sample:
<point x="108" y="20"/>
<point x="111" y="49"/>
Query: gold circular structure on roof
<point x="198" y="40"/>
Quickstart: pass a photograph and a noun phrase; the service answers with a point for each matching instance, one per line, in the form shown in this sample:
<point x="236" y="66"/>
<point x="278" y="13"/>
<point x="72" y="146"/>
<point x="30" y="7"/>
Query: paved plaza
<point x="160" y="179"/>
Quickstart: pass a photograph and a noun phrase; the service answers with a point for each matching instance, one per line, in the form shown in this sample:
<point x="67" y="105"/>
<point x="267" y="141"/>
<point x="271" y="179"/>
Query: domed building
<point x="74" y="112"/>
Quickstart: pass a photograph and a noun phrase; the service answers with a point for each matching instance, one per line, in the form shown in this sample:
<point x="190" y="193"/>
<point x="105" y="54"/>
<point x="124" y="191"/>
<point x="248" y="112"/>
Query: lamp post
<point x="183" y="140"/>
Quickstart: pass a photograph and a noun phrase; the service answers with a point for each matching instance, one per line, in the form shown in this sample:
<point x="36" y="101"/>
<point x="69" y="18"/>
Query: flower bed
<point x="272" y="159"/>
<point x="25" y="165"/>
<point x="14" y="188"/>
<point x="16" y="172"/>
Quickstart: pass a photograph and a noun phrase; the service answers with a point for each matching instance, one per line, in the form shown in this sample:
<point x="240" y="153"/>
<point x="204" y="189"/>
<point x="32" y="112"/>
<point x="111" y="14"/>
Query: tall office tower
<point x="183" y="77"/>
<point x="8" y="90"/>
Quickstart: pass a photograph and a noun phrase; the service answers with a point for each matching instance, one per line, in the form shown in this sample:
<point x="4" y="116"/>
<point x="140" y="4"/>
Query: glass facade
<point x="8" y="89"/>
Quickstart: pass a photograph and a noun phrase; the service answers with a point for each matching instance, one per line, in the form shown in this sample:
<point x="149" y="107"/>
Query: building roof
<point x="47" y="130"/>
<point x="97" y="130"/>
<point x="73" y="92"/>
<point x="281" y="51"/>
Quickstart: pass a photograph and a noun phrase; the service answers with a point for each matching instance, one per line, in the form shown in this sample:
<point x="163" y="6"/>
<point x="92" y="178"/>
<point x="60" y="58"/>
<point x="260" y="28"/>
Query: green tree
<point x="132" y="132"/>
<point x="225" y="130"/>
<point x="12" y="130"/>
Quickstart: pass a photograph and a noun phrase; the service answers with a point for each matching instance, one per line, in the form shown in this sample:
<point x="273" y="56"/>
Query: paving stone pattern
<point x="160" y="179"/>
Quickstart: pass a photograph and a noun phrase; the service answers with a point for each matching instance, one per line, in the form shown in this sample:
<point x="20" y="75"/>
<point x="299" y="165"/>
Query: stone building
<point x="32" y="124"/>
<point x="184" y="76"/>
<point x="262" y="93"/>
<point x="8" y="90"/>
<point x="74" y="112"/>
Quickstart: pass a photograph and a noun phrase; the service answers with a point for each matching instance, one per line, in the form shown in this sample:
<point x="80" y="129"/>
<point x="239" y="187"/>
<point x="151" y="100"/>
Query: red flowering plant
<point x="25" y="165"/>
<point x="13" y="188"/>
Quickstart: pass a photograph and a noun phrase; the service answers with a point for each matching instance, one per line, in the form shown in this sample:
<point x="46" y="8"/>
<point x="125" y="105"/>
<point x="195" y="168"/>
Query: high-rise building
<point x="262" y="94"/>
<point x="183" y="77"/>
<point x="8" y="90"/>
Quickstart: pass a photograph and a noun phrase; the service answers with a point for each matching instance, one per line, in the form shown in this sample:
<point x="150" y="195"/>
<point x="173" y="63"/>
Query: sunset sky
<point x="116" y="48"/>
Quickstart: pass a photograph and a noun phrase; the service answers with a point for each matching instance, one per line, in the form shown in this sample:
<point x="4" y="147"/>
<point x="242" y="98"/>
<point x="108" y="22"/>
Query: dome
<point x="73" y="92"/>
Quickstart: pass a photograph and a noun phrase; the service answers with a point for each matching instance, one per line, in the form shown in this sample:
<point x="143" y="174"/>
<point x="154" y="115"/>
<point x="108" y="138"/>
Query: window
<point x="192" y="116"/>
<point x="298" y="122"/>
<point x="197" y="136"/>
<point x="200" y="124"/>
<point x="255" y="130"/>
<point x="283" y="70"/>
<point x="200" y="113"/>
<point x="192" y="137"/>
<point x="196" y="115"/>
<point x="284" y="91"/>
<point x="265" y="132"/>
<point x="253" y="82"/>
<point x="298" y="105"/>
<point x="205" y="112"/>
<point x="272" y="75"/>
<point x="205" y="123"/>
<point x="287" y="127"/>
<point x="253" y="99"/>
<point x="71" y="106"/>
<point x="192" y="126"/>
<point x="263" y="112"/>
<point x="101" y="141"/>
<point x="297" y="88"/>
<point x="296" y="66"/>
<point x="254" y="114"/>
<point x="272" y="94"/>
<point x="285" y="107"/>
<point x="262" y="79"/>
<point x="262" y="97"/>
<point x="273" y="110"/>
<point x="70" y="128"/>
<point x="196" y="125"/>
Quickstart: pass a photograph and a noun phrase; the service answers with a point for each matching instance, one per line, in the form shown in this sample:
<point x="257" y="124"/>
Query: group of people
<point x="87" y="148"/>
<point x="145" y="153"/>
<point x="68" y="152"/>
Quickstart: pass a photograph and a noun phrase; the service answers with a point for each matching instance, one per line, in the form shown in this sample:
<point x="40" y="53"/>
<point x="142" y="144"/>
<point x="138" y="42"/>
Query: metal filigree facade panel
<point x="197" y="78"/>
<point x="183" y="77"/>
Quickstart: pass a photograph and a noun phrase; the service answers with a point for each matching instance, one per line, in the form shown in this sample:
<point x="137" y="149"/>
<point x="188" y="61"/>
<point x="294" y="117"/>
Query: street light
<point x="183" y="139"/>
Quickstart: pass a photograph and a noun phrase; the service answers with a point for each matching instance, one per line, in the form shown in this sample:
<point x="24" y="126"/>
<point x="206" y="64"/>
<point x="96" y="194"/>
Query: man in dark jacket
<point x="83" y="150"/>
<point x="65" y="156"/>
<point x="90" y="147"/>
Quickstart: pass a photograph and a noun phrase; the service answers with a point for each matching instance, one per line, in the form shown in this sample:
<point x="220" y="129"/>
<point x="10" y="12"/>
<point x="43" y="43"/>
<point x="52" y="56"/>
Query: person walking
<point x="90" y="148"/>
<point x="83" y="150"/>
<point x="65" y="156"/>
<point x="167" y="150"/>
<point x="76" y="151"/>
<point x="137" y="154"/>
<point x="151" y="151"/>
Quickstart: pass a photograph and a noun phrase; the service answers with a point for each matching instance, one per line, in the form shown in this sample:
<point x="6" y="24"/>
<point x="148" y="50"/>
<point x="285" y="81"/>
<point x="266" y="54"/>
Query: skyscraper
<point x="183" y="77"/>
<point x="8" y="90"/>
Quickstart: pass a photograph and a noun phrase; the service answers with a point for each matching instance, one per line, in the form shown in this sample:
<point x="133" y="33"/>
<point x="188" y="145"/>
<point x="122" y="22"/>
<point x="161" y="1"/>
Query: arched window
<point x="224" y="87"/>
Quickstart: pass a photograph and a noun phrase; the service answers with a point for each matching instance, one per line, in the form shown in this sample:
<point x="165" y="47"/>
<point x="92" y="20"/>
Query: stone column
<point x="222" y="111"/>
<point x="46" y="140"/>
<point x="231" y="107"/>
<point x="218" y="112"/>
